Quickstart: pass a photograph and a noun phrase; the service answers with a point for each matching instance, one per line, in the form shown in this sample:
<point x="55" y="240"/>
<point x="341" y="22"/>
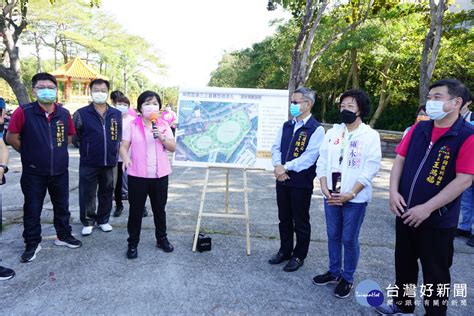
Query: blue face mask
<point x="295" y="109"/>
<point x="46" y="96"/>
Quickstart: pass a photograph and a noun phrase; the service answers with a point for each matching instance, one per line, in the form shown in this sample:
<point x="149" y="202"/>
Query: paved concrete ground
<point x="98" y="279"/>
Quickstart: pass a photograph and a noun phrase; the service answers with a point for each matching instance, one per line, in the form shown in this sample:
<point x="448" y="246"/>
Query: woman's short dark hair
<point x="362" y="99"/>
<point x="122" y="99"/>
<point x="99" y="81"/>
<point x="43" y="76"/>
<point x="146" y="95"/>
<point x="114" y="95"/>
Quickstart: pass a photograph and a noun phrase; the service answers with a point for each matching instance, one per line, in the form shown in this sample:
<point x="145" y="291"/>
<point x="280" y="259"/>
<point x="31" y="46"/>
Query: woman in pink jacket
<point x="143" y="150"/>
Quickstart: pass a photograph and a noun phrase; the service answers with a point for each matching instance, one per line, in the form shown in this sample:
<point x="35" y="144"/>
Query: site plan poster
<point x="228" y="127"/>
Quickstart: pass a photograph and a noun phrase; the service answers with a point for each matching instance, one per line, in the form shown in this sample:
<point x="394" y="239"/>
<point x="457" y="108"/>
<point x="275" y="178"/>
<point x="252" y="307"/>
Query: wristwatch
<point x="353" y="195"/>
<point x="5" y="168"/>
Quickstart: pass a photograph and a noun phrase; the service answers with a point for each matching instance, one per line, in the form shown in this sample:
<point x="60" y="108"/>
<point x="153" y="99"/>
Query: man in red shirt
<point x="432" y="168"/>
<point x="41" y="132"/>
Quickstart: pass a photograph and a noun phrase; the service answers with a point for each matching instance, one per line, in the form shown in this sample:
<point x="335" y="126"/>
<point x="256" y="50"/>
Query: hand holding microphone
<point x="154" y="127"/>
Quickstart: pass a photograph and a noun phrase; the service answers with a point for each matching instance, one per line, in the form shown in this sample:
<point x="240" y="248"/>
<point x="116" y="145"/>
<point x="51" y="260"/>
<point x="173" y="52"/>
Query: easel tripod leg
<point x="201" y="207"/>
<point x="247" y="216"/>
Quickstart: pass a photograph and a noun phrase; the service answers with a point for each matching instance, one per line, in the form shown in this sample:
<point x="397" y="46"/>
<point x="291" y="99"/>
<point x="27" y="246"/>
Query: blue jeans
<point x="467" y="208"/>
<point x="343" y="226"/>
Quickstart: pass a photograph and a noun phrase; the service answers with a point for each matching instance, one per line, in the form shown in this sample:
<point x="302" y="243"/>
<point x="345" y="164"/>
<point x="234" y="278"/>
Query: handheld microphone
<point x="153" y="119"/>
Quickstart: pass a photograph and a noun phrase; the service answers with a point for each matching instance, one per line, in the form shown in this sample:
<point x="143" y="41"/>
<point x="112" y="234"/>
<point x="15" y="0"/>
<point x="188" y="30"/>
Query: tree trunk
<point x="349" y="77"/>
<point x="55" y="52"/>
<point x="11" y="69"/>
<point x="431" y="47"/>
<point x="125" y="79"/>
<point x="294" y="81"/>
<point x="13" y="78"/>
<point x="63" y="47"/>
<point x="384" y="95"/>
<point x="354" y="65"/>
<point x="324" y="102"/>
<point x="302" y="63"/>
<point x="355" y="69"/>
<point x="38" y="56"/>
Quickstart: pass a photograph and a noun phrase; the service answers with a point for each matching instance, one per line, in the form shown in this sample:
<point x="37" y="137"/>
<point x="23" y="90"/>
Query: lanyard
<point x="343" y="145"/>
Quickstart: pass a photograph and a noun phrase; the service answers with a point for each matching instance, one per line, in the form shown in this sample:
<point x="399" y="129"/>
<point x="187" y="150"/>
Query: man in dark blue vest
<point x="41" y="132"/>
<point x="99" y="131"/>
<point x="294" y="156"/>
<point x="432" y="168"/>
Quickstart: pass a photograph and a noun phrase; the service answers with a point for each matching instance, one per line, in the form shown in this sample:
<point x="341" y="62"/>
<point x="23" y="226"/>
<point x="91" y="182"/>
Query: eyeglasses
<point x="299" y="102"/>
<point x="43" y="87"/>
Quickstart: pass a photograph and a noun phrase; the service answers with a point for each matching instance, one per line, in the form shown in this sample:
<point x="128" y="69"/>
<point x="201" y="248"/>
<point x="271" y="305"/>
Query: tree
<point x="389" y="48"/>
<point x="431" y="46"/>
<point x="12" y="24"/>
<point x="94" y="36"/>
<point x="303" y="59"/>
<point x="13" y="21"/>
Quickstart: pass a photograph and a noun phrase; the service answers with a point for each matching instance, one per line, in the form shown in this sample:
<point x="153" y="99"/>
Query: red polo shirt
<point x="17" y="121"/>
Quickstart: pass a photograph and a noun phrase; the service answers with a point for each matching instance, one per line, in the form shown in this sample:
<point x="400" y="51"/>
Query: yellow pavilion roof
<point x="76" y="69"/>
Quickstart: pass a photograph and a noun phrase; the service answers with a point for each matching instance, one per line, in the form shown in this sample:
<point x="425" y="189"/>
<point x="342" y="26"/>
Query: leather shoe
<point x="279" y="258"/>
<point x="118" y="211"/>
<point x="164" y="244"/>
<point x="293" y="265"/>
<point x="132" y="253"/>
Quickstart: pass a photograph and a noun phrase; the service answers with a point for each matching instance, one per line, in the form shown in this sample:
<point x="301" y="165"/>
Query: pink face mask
<point x="148" y="109"/>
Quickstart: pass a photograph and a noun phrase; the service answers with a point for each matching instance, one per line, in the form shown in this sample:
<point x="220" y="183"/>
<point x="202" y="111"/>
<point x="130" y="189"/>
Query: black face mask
<point x="348" y="117"/>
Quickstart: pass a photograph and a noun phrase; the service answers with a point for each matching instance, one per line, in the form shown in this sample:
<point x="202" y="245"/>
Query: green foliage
<point x="93" y="35"/>
<point x="264" y="65"/>
<point x="388" y="45"/>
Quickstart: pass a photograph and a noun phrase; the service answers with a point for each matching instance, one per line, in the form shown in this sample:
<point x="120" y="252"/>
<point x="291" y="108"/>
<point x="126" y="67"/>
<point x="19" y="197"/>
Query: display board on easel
<point x="228" y="128"/>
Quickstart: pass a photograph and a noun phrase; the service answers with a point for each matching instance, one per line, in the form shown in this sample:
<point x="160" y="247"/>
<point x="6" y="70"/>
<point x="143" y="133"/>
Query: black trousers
<point x="89" y="178"/>
<point x="34" y="190"/>
<point x="138" y="191"/>
<point x="434" y="248"/>
<point x="118" y="185"/>
<point x="293" y="213"/>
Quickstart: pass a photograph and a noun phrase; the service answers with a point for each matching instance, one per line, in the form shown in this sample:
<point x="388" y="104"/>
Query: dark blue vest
<point x="292" y="146"/>
<point x="43" y="143"/>
<point x="99" y="143"/>
<point x="428" y="169"/>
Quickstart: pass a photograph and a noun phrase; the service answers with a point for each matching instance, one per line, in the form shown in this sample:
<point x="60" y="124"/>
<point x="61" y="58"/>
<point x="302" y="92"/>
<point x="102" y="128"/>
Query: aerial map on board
<point x="217" y="132"/>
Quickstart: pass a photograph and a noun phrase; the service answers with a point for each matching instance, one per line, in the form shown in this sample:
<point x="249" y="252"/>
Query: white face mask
<point x="122" y="108"/>
<point x="99" y="97"/>
<point x="435" y="110"/>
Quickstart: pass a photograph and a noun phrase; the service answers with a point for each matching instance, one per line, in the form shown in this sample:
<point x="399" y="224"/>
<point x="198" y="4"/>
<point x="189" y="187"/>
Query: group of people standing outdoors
<point x="41" y="131"/>
<point x="123" y="153"/>
<point x="432" y="169"/>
